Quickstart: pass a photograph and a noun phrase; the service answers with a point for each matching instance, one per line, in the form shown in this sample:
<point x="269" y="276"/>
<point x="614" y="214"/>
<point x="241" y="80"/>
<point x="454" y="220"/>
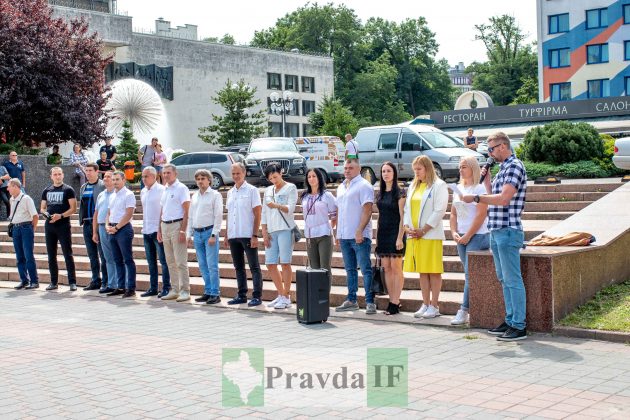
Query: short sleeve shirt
<point x="22" y="209"/>
<point x="102" y="205"/>
<point x="58" y="198"/>
<point x="119" y="202"/>
<point x="318" y="212"/>
<point x="173" y="198"/>
<point x="105" y="165"/>
<point x="350" y="201"/>
<point x="5" y="182"/>
<point x="148" y="153"/>
<point x="512" y="172"/>
<point x="110" y="150"/>
<point x="352" y="148"/>
<point x="15" y="170"/>
<point x="240" y="205"/>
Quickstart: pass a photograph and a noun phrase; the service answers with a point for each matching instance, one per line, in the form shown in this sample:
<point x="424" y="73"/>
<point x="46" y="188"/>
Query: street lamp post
<point x="282" y="105"/>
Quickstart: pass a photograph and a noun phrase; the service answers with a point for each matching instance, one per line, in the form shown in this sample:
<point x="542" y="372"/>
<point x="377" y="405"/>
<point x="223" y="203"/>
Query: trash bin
<point x="130" y="169"/>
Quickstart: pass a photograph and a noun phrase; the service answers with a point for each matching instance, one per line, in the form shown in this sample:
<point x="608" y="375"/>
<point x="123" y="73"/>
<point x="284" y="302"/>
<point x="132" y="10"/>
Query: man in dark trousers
<point x="87" y="205"/>
<point x="58" y="204"/>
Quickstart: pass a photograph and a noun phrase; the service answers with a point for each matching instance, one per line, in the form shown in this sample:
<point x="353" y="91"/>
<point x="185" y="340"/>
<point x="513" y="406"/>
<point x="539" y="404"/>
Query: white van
<point x="325" y="153"/>
<point x="401" y="143"/>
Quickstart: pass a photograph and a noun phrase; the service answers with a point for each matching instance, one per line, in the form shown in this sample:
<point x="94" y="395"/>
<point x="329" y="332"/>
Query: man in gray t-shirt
<point x="146" y="154"/>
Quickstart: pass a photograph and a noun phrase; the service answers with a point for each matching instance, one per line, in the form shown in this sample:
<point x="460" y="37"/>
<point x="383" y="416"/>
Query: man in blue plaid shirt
<point x="506" y="200"/>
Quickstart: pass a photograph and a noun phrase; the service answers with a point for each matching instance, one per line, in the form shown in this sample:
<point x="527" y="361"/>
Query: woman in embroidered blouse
<point x="159" y="160"/>
<point x="320" y="218"/>
<point x="79" y="160"/>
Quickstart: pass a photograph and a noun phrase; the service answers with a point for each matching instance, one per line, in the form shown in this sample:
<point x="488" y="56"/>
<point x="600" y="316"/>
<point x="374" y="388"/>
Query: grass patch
<point x="471" y="337"/>
<point x="609" y="310"/>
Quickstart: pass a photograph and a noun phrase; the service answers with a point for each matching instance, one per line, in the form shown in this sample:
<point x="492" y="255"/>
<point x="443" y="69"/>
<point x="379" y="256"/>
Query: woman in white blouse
<point x="277" y="222"/>
<point x="469" y="224"/>
<point x="320" y="218"/>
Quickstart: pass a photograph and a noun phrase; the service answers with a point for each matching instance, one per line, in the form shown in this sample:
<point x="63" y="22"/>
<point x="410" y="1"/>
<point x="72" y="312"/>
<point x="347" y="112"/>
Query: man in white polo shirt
<point x="172" y="233"/>
<point x="122" y="204"/>
<point x="24" y="219"/>
<point x="243" y="220"/>
<point x="355" y="196"/>
<point x="204" y="226"/>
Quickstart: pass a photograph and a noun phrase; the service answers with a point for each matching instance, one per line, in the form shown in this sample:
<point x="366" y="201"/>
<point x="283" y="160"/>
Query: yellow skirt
<point x="424" y="256"/>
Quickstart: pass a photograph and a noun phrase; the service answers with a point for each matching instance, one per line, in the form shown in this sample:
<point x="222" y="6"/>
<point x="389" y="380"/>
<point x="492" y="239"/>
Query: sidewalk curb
<point x="611" y="336"/>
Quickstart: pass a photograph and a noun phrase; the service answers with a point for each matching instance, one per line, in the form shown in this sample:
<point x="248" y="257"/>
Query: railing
<point x="94" y="5"/>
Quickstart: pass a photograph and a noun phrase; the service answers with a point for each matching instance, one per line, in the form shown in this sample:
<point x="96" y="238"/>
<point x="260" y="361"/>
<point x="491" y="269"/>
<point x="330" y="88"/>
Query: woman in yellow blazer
<point x="427" y="200"/>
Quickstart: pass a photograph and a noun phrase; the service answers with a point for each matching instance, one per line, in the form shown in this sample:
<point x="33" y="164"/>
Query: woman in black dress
<point x="390" y="240"/>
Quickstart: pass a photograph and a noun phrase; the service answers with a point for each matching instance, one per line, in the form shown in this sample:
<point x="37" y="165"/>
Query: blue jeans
<point x="208" y="258"/>
<point x="105" y="241"/>
<point x="478" y="242"/>
<point x="154" y="250"/>
<point x="23" y="242"/>
<point x="506" y="244"/>
<point x="358" y="254"/>
<point x="93" y="251"/>
<point x="123" y="257"/>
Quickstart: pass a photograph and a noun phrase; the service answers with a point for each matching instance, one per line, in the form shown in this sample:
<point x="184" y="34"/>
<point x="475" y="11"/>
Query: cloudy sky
<point x="452" y="20"/>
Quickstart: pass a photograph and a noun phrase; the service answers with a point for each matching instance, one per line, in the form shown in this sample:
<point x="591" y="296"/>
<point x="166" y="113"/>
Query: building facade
<point x="460" y="80"/>
<point x="583" y="49"/>
<point x="187" y="73"/>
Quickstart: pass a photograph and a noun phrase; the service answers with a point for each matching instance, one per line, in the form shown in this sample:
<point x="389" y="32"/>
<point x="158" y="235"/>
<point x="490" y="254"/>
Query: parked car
<point x="401" y="143"/>
<point x="621" y="159"/>
<point x="326" y="153"/>
<point x="283" y="150"/>
<point x="236" y="148"/>
<point x="219" y="163"/>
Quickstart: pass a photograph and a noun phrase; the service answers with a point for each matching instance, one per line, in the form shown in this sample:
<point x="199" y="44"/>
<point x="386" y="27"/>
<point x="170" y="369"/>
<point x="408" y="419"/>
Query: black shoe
<point x="237" y="300"/>
<point x="73" y="287"/>
<point x="513" y="334"/>
<point x="129" y="293"/>
<point x="92" y="286"/>
<point x="254" y="302"/>
<point x="203" y="298"/>
<point x="116" y="292"/>
<point x="52" y="287"/>
<point x="213" y="299"/>
<point x="106" y="290"/>
<point x="20" y="286"/>
<point x="500" y="330"/>
<point x="149" y="293"/>
<point x="33" y="286"/>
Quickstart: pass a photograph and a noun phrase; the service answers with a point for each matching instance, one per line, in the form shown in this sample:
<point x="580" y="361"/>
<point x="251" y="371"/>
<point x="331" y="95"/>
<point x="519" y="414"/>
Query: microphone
<point x="489" y="164"/>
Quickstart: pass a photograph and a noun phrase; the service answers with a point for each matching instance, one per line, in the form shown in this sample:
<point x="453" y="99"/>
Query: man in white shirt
<point x="243" y="221"/>
<point x="24" y="219"/>
<point x="355" y="196"/>
<point x="122" y="204"/>
<point x="100" y="235"/>
<point x="172" y="233"/>
<point x="204" y="227"/>
<point x="352" y="148"/>
<point x="151" y="198"/>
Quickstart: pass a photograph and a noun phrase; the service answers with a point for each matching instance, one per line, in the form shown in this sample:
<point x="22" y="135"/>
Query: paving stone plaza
<point x="79" y="355"/>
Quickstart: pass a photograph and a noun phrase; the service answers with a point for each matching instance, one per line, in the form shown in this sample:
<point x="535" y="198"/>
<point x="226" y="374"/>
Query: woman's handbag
<point x="10" y="226"/>
<point x="379" y="287"/>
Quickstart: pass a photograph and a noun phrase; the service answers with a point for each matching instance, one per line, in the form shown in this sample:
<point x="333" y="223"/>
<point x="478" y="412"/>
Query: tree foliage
<point x="511" y="63"/>
<point x="127" y="150"/>
<point x="226" y="39"/>
<point x="52" y="87"/>
<point x="239" y="124"/>
<point x="562" y="142"/>
<point x="333" y="119"/>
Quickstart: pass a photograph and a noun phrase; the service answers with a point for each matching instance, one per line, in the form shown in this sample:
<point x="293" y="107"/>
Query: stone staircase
<point x="546" y="205"/>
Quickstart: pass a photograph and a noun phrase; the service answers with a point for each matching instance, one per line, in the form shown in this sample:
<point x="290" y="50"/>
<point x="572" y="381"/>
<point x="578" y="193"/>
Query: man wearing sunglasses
<point x="506" y="201"/>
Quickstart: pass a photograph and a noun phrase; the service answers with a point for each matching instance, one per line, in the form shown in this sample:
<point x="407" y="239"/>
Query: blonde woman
<point x="427" y="199"/>
<point x="469" y="224"/>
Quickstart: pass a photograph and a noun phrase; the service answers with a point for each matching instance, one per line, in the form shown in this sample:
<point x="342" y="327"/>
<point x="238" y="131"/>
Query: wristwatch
<point x="213" y="235"/>
<point x="476" y="199"/>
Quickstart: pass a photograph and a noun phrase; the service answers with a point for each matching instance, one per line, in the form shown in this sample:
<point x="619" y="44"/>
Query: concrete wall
<point x="114" y="29"/>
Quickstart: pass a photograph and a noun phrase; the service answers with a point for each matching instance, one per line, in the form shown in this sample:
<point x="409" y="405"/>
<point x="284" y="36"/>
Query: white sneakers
<point x="171" y="296"/>
<point x="421" y="311"/>
<point x="272" y="304"/>
<point x="183" y="297"/>
<point x="283" y="302"/>
<point x="431" y="312"/>
<point x="461" y="318"/>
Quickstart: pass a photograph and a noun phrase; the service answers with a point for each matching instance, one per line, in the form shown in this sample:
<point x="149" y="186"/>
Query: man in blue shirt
<point x="16" y="168"/>
<point x="87" y="206"/>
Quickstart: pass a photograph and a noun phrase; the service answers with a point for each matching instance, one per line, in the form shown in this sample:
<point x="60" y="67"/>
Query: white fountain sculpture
<point x="136" y="102"/>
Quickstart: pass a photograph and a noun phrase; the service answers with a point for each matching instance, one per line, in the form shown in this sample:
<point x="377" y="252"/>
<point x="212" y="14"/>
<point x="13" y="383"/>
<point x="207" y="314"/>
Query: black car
<point x="282" y="150"/>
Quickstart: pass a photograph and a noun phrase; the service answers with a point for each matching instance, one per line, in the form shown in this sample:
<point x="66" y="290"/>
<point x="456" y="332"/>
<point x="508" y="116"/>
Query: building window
<point x="559" y="23"/>
<point x="295" y="110"/>
<point x="308" y="107"/>
<point x="599" y="88"/>
<point x="560" y="58"/>
<point x="596" y="18"/>
<point x="306" y="130"/>
<point x="291" y="82"/>
<point x="275" y="129"/>
<point x="308" y="84"/>
<point x="293" y="129"/>
<point x="626" y="50"/>
<point x="626" y="85"/>
<point x="560" y="92"/>
<point x="626" y="13"/>
<point x="596" y="54"/>
<point x="274" y="81"/>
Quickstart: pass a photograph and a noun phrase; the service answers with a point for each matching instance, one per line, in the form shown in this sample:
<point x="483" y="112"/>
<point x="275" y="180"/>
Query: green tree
<point x="511" y="63"/>
<point x="226" y="39"/>
<point x="333" y="119"/>
<point x="527" y="93"/>
<point x="128" y="147"/>
<point x="239" y="124"/>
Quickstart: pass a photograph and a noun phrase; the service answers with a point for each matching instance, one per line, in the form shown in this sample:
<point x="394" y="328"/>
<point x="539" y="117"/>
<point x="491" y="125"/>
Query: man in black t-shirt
<point x="110" y="149"/>
<point x="104" y="164"/>
<point x="58" y="204"/>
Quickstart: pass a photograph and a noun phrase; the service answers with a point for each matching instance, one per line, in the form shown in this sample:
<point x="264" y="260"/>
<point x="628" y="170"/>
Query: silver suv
<point x="219" y="163"/>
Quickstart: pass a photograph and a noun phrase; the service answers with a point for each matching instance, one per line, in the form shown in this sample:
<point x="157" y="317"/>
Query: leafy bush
<point x="535" y="170"/>
<point x="19" y="148"/>
<point x="562" y="142"/>
<point x="175" y="154"/>
<point x="606" y="160"/>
